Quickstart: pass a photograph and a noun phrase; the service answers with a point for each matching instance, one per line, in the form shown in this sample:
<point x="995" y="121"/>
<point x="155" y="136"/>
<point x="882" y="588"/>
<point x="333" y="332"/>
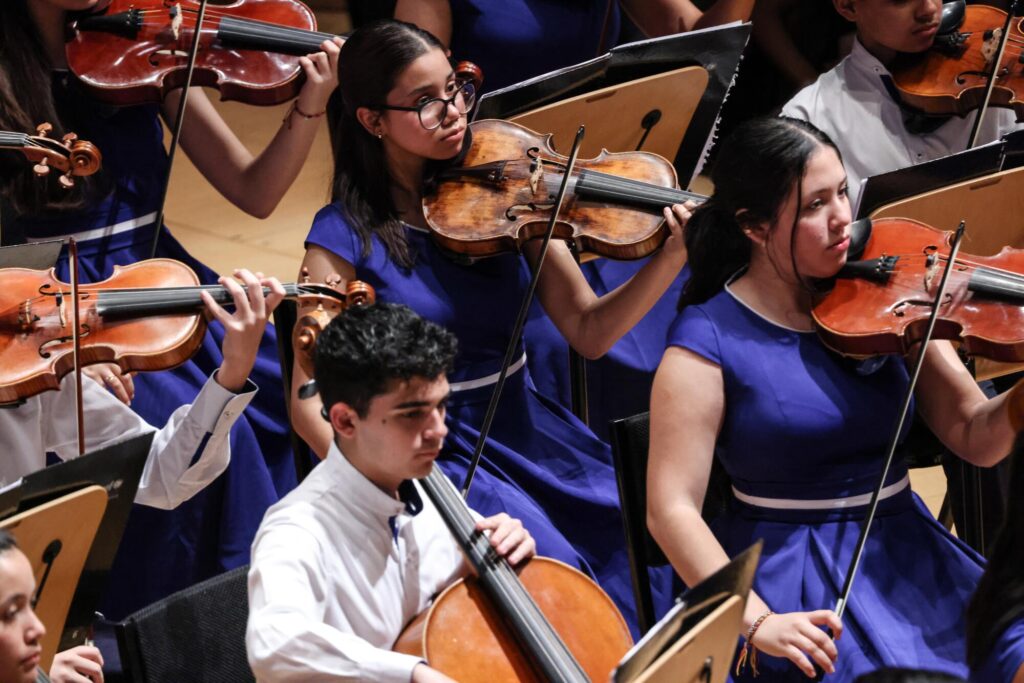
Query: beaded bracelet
<point x="749" y="651"/>
<point x="294" y="109"/>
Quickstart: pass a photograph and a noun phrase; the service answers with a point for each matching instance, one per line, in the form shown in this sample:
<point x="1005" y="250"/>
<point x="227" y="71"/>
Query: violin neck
<point x="612" y="188"/>
<point x="260" y="35"/>
<point x="500" y="582"/>
<point x="134" y="303"/>
<point x="12" y="140"/>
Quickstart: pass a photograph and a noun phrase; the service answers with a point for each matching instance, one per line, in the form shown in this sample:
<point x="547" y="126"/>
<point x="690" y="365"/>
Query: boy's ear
<point x="847" y="9"/>
<point x="343" y="419"/>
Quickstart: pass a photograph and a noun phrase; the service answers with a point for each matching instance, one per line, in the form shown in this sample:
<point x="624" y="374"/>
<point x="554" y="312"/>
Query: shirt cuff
<point x="390" y="667"/>
<point x="216" y="409"/>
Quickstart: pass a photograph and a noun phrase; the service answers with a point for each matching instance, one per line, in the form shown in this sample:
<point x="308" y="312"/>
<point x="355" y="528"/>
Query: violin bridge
<point x="536" y="175"/>
<point x="176" y="21"/>
<point x="61" y="312"/>
<point x="991" y="45"/>
<point x="25" y="316"/>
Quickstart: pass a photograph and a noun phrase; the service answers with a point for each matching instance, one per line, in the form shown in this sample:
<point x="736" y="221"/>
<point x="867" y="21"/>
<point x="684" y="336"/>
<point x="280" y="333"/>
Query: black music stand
<point x="697" y="639"/>
<point x="117" y="469"/>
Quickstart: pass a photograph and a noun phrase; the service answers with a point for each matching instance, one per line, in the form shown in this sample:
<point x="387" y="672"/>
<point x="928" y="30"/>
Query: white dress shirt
<point x="852" y="105"/>
<point x="338" y="569"/>
<point x="46" y="422"/>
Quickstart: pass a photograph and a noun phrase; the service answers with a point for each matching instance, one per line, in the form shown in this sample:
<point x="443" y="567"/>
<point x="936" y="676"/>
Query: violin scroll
<point x="316" y="311"/>
<point x="69" y="155"/>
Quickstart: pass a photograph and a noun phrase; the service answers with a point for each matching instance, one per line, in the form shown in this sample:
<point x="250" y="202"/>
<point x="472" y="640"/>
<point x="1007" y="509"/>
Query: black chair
<point x="195" y="635"/>
<point x="630" y="438"/>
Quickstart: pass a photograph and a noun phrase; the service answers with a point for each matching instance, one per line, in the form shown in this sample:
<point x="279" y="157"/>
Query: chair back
<point x="630" y="440"/>
<point x="197" y="634"/>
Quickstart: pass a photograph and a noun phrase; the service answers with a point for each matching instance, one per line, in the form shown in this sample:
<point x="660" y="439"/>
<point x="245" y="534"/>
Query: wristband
<point x="749" y="651"/>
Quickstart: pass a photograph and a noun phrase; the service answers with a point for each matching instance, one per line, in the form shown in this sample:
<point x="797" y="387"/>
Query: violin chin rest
<point x="860" y="232"/>
<point x="953" y="13"/>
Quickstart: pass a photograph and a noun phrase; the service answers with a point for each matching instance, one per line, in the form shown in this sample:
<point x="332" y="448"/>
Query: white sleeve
<point x="286" y="638"/>
<point x="188" y="453"/>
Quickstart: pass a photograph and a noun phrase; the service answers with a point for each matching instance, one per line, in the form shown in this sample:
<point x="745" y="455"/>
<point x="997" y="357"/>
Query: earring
<point x="380" y="135"/>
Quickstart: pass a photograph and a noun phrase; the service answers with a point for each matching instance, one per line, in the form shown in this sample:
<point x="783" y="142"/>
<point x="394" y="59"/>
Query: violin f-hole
<point x="44" y="348"/>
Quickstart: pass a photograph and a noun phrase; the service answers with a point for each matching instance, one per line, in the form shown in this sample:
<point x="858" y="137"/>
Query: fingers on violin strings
<point x="254" y="290"/>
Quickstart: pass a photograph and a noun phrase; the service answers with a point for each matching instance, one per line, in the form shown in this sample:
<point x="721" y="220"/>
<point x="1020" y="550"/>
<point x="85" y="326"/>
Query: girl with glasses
<point x="389" y="134"/>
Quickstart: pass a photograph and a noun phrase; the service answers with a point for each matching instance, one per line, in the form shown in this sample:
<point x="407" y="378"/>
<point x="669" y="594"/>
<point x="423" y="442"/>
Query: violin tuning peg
<point x="69" y="137"/>
<point x="304" y="275"/>
<point x="42" y="168"/>
<point x="332" y="280"/>
<point x="66" y="181"/>
<point x="43" y="128"/>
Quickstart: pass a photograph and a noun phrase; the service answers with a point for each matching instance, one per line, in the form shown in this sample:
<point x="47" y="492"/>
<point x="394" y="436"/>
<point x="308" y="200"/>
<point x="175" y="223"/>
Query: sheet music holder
<point x="716" y="50"/>
<point x="697" y="639"/>
<point x="117" y="470"/>
<point x="34" y="255"/>
<point x="887" y="188"/>
<point x="56" y="537"/>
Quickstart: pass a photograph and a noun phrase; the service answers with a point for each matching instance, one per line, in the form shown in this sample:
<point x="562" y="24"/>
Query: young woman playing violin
<point x="399" y="114"/>
<point x="802" y="431"/>
<point x="112" y="217"/>
<point x="856" y="105"/>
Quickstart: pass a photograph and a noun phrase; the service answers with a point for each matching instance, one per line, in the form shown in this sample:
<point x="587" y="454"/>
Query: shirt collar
<point x="864" y="61"/>
<point x="360" y="491"/>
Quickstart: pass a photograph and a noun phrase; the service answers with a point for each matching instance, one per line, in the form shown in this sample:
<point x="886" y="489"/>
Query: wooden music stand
<point x="57" y="537"/>
<point x="615" y="116"/>
<point x="696" y="641"/>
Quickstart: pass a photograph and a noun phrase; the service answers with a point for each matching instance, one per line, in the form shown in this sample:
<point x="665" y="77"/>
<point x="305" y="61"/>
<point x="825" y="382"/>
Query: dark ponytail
<point x="370" y="62"/>
<point x="757" y="167"/>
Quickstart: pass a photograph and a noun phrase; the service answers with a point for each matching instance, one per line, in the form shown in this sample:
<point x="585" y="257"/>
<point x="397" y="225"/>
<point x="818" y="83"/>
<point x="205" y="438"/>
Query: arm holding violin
<point x="593" y="324"/>
<point x="197" y="432"/>
<point x="683" y="435"/>
<point x="305" y="413"/>
<point x="256" y="184"/>
<point x="979" y="429"/>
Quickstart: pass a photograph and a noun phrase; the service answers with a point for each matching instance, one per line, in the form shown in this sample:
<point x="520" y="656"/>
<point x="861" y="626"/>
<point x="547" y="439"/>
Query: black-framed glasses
<point x="432" y="112"/>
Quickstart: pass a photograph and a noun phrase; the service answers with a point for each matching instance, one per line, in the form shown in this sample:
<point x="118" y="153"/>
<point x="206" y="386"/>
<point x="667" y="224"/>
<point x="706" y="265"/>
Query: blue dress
<point x="1005" y="658"/>
<point x="803" y="423"/>
<point x="164" y="551"/>
<point x="512" y="40"/>
<point x="541" y="464"/>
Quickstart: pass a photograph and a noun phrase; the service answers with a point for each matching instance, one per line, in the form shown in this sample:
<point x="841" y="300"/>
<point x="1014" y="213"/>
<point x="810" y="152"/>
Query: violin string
<point x="255" y="24"/>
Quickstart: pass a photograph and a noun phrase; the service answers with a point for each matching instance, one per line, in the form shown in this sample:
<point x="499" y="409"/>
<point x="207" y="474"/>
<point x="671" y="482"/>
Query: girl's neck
<point x="406" y="173"/>
<point x="49" y="21"/>
<point x="779" y="298"/>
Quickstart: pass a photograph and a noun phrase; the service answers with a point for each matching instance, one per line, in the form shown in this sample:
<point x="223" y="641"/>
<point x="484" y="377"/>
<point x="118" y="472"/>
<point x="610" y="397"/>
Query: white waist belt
<point x="489" y="379"/>
<point x="106" y="231"/>
<point x="821" y="503"/>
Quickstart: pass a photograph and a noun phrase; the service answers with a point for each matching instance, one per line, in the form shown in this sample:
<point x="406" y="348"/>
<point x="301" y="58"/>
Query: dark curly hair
<point x="367" y="346"/>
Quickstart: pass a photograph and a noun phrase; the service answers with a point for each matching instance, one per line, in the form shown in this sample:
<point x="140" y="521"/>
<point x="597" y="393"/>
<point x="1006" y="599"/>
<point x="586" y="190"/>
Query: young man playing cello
<point x="347" y="559"/>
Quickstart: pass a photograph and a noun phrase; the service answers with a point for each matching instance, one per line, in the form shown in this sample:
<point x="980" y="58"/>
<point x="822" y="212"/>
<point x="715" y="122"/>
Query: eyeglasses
<point x="432" y="112"/>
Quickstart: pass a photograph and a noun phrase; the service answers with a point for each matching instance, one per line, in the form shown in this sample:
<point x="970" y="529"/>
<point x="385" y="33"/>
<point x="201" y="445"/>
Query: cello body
<point x="463" y="620"/>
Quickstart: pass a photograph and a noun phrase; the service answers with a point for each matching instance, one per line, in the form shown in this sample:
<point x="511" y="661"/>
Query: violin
<point x="880" y="302"/>
<point x="146" y="316"/>
<point x="952" y="77"/>
<point x="502" y="192"/>
<point x="248" y="50"/>
<point x="69" y="155"/>
<point x="549" y="622"/>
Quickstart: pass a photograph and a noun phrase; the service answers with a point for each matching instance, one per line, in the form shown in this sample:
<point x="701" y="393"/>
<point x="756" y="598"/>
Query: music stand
<point x="34" y="255"/>
<point x="715" y="51"/>
<point x="697" y="639"/>
<point x="116" y="470"/>
<point x="63" y="528"/>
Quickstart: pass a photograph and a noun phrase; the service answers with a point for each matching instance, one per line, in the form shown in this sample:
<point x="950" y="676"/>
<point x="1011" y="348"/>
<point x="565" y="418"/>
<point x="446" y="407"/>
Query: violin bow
<point x="858" y="553"/>
<point x="1012" y="12"/>
<point x="76" y="341"/>
<point x="180" y="119"/>
<point x="524" y="310"/>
